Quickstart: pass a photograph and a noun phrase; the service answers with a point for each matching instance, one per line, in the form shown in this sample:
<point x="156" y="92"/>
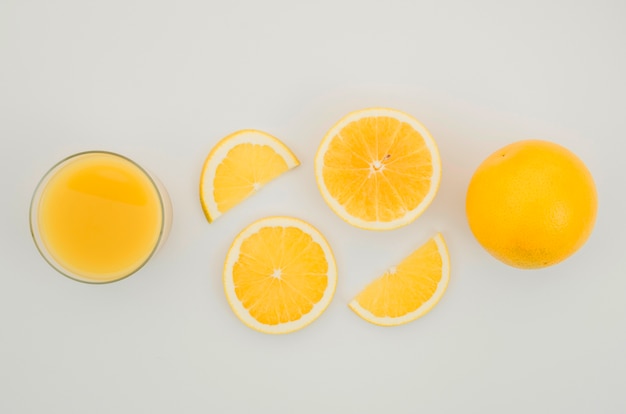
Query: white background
<point x="163" y="81"/>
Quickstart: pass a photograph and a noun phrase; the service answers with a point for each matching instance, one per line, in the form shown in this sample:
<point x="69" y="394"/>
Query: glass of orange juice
<point x="98" y="217"/>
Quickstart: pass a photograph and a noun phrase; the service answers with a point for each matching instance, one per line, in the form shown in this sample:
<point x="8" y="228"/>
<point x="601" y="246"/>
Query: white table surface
<point x="163" y="81"/>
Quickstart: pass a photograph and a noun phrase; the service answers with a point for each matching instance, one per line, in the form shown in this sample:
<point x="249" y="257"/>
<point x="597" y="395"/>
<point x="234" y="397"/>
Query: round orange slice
<point x="279" y="275"/>
<point x="378" y="169"/>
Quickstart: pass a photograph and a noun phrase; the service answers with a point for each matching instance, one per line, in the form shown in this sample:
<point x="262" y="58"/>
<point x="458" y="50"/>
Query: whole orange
<point x="531" y="204"/>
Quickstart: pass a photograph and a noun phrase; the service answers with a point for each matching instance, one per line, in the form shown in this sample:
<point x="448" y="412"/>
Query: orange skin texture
<point x="532" y="204"/>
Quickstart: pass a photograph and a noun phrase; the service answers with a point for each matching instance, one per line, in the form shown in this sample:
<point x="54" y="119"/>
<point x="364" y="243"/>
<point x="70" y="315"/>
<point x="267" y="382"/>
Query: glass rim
<point x="34" y="219"/>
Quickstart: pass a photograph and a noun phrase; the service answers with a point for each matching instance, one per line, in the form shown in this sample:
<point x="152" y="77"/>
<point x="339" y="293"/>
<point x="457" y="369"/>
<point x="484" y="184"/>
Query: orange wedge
<point x="238" y="166"/>
<point x="409" y="290"/>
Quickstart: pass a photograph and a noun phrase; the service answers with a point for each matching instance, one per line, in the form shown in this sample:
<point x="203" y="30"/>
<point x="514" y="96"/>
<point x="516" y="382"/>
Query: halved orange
<point x="279" y="275"/>
<point x="409" y="290"/>
<point x="239" y="165"/>
<point x="378" y="168"/>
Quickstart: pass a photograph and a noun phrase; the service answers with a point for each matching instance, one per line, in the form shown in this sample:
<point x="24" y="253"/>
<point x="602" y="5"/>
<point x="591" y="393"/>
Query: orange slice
<point x="239" y="165"/>
<point x="409" y="290"/>
<point x="378" y="169"/>
<point x="279" y="275"/>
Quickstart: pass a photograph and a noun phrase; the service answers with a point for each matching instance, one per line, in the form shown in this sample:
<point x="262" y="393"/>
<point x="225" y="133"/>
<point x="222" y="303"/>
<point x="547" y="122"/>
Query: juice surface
<point x="100" y="216"/>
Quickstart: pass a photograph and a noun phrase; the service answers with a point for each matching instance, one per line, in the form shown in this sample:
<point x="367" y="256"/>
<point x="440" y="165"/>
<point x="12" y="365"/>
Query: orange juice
<point x="99" y="217"/>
